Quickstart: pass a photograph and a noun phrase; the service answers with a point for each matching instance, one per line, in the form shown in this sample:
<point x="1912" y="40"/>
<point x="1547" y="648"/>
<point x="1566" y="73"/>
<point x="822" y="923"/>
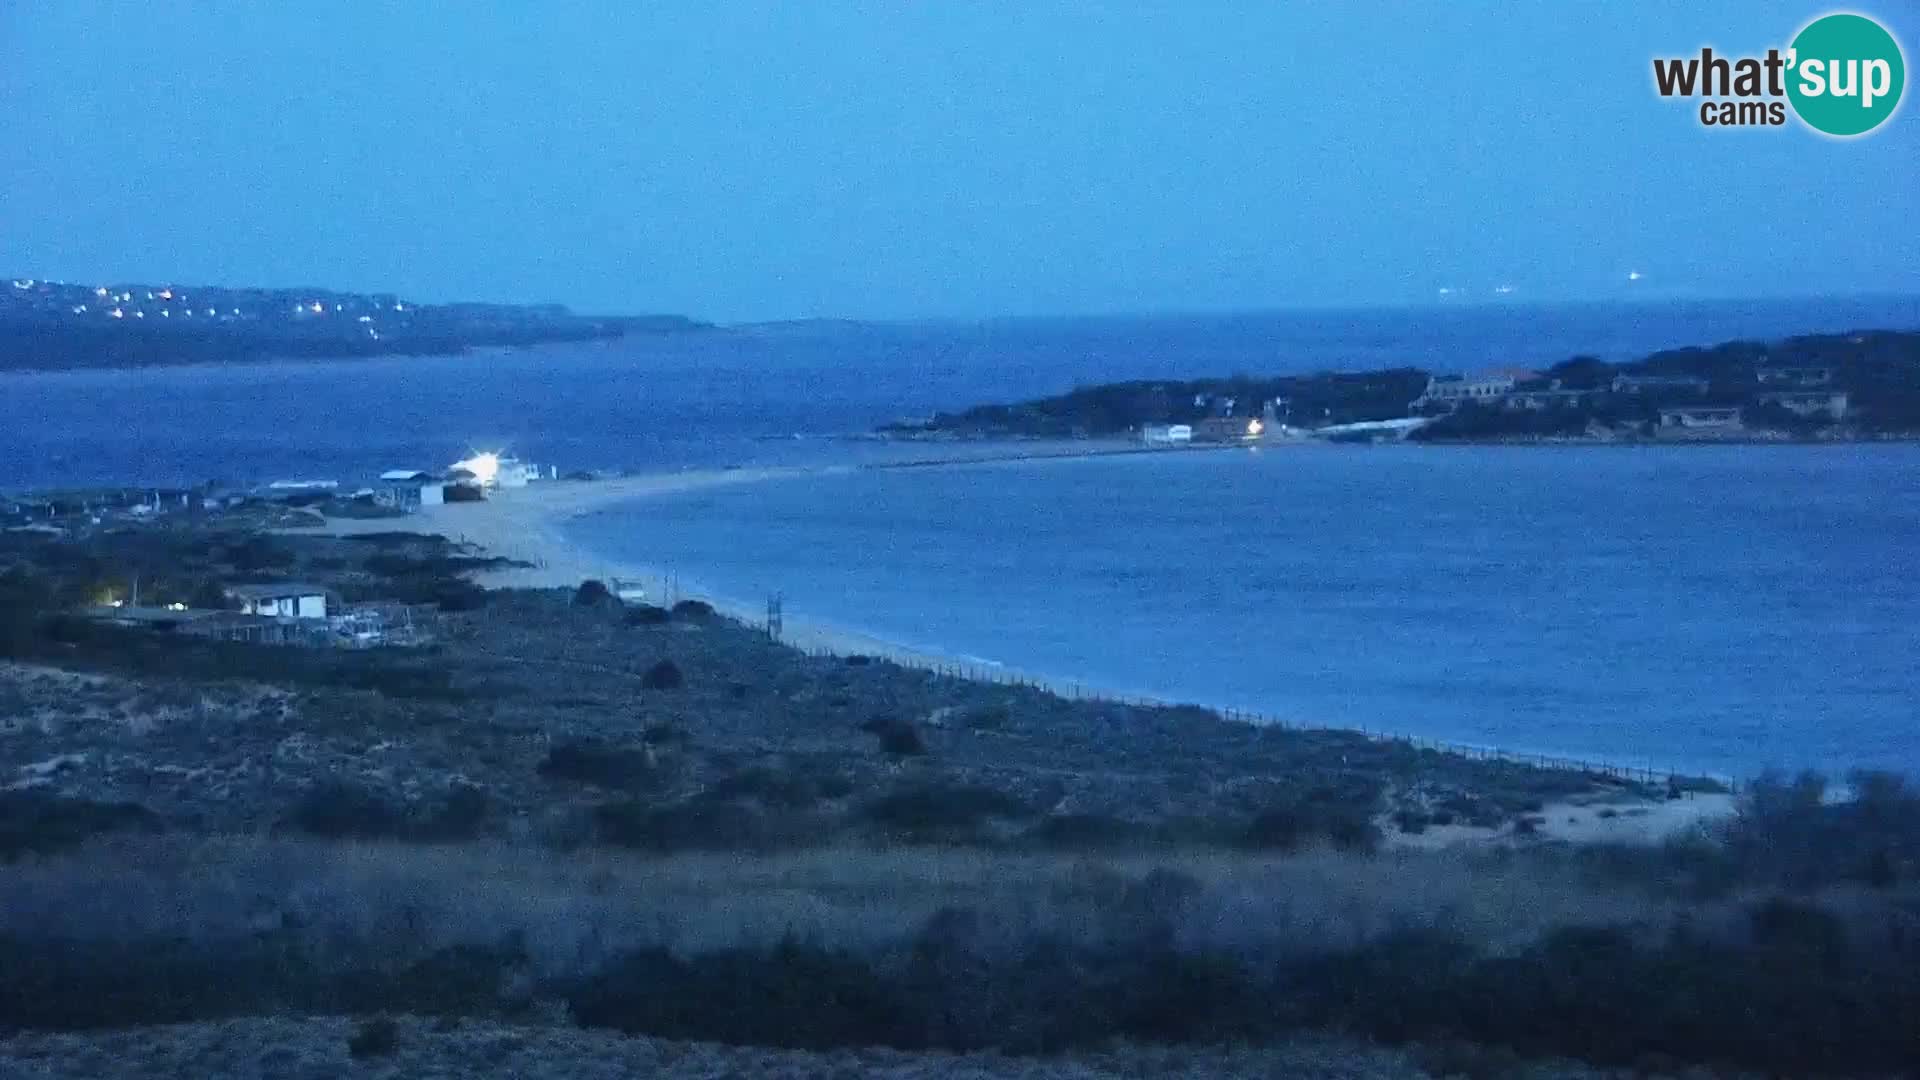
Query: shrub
<point x="376" y="1037"/>
<point x="692" y="609"/>
<point x="772" y="787"/>
<point x="991" y="717"/>
<point x="899" y="738"/>
<point x="590" y="761"/>
<point x="594" y="593"/>
<point x="647" y="615"/>
<point x="942" y="806"/>
<point x="337" y="809"/>
<point x="460" y="816"/>
<point x="42" y="823"/>
<point x="794" y="995"/>
<point x="859" y="660"/>
<point x="664" y="675"/>
<point x="704" y="825"/>
<point x="1081" y="832"/>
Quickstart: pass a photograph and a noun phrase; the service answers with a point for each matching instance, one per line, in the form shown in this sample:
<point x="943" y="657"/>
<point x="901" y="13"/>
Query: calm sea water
<point x="743" y="395"/>
<point x="1716" y="608"/>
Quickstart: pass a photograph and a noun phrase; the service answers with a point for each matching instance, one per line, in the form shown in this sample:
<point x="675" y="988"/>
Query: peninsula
<point x="1862" y="385"/>
<point x="53" y="325"/>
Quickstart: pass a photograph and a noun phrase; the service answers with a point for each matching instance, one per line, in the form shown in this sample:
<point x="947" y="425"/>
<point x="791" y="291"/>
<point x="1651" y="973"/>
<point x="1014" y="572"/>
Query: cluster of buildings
<point x="1681" y="402"/>
<point x="200" y="305"/>
<point x="278" y="613"/>
<point x="1223" y="426"/>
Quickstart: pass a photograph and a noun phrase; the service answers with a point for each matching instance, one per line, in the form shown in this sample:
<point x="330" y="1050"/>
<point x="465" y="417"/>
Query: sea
<point x="1722" y="609"/>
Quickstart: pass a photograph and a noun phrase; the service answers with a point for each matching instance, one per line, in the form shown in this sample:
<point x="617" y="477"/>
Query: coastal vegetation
<point x="560" y="810"/>
<point x="1581" y="397"/>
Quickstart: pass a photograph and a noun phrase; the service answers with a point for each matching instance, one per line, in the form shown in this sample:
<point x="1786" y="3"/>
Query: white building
<point x="1831" y="404"/>
<point x="290" y="600"/>
<point x="1701" y="417"/>
<point x="1166" y="434"/>
<point x="1451" y="390"/>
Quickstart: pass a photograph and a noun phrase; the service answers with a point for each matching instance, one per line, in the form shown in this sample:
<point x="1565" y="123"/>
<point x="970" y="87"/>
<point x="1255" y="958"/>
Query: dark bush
<point x="590" y="761"/>
<point x="794" y="995"/>
<point x="664" y="675"/>
<point x="897" y="737"/>
<point x="594" y="593"/>
<point x="991" y="717"/>
<point x="942" y="806"/>
<point x="375" y="1037"/>
<point x="40" y="823"/>
<point x="859" y="660"/>
<point x="702" y="825"/>
<point x="775" y="788"/>
<point x="1085" y="832"/>
<point x="460" y="816"/>
<point x="692" y="609"/>
<point x="337" y="809"/>
<point x="647" y="615"/>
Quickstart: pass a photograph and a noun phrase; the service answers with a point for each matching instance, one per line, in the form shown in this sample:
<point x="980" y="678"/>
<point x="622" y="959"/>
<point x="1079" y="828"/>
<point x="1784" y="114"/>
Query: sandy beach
<point x="526" y="524"/>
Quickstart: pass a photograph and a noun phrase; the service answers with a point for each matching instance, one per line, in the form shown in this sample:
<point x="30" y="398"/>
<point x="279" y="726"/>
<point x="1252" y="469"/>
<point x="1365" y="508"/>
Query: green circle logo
<point x="1845" y="74"/>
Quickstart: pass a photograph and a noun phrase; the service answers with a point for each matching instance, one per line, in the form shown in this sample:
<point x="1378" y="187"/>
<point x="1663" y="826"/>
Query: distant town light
<point x="79" y="309"/>
<point x="139" y="314"/>
<point x="1634" y="275"/>
<point x="166" y="294"/>
<point x="101" y="291"/>
<point x="399" y="307"/>
<point x="176" y="606"/>
<point x="117" y="313"/>
<point x="318" y="307"/>
<point x="210" y="313"/>
<point x="365" y="318"/>
<point x="166" y="313"/>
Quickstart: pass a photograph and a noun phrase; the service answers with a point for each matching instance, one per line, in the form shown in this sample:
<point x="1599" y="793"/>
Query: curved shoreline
<point x="527" y="525"/>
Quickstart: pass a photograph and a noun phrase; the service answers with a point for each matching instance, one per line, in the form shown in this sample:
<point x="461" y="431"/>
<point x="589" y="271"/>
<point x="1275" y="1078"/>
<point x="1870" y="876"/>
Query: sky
<point x="943" y="159"/>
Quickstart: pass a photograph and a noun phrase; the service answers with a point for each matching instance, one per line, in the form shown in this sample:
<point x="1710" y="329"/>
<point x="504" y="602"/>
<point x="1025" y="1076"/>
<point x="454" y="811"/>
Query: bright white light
<point x="485" y="467"/>
<point x="139" y="314"/>
<point x="317" y="307"/>
<point x="1634" y="275"/>
<point x="101" y="291"/>
<point x="117" y="313"/>
<point x="366" y="318"/>
<point x="1503" y="290"/>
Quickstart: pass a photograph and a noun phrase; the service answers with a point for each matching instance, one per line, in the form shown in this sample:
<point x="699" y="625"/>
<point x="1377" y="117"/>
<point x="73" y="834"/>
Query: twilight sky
<point x="942" y="158"/>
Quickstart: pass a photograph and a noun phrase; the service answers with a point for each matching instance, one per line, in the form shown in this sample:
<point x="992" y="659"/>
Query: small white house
<point x="1166" y="434"/>
<point x="291" y="600"/>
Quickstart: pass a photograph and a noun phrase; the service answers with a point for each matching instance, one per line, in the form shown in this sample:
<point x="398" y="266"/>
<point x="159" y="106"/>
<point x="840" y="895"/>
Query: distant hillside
<point x="55" y="325"/>
<point x="1835" y="385"/>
